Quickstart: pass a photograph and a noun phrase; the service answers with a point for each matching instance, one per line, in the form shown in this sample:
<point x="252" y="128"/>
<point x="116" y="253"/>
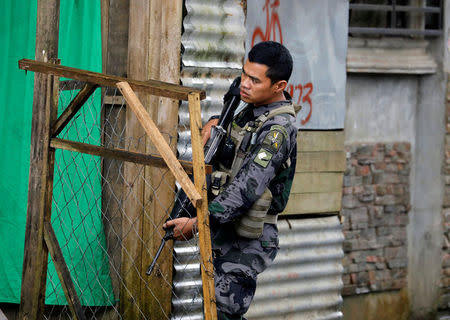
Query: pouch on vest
<point x="251" y="224"/>
<point x="218" y="181"/>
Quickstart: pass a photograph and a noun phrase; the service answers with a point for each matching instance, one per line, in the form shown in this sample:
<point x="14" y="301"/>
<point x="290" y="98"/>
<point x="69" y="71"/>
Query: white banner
<point x="315" y="32"/>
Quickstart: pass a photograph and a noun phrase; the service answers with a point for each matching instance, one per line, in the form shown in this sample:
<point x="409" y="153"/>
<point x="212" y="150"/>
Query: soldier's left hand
<point x="183" y="227"/>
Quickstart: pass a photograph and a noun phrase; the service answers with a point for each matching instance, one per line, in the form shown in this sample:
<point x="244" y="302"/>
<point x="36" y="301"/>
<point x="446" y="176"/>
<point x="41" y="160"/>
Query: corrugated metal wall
<point x="213" y="53"/>
<point x="187" y="300"/>
<point x="303" y="283"/>
<point x="305" y="280"/>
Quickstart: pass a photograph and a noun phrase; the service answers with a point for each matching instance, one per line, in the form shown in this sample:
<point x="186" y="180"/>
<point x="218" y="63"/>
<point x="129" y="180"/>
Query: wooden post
<point x="63" y="272"/>
<point x="115" y="15"/>
<point x="164" y="65"/>
<point x="40" y="183"/>
<point x="198" y="158"/>
<point x="131" y="304"/>
<point x="154" y="53"/>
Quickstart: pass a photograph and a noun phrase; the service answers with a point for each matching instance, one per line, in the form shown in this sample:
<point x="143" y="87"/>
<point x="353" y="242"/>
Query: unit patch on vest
<point x="263" y="157"/>
<point x="274" y="139"/>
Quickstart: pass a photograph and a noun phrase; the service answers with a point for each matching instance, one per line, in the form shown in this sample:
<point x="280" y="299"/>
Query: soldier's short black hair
<point x="274" y="55"/>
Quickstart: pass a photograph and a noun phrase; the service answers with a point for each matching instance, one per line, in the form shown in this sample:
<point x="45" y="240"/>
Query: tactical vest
<point x="251" y="223"/>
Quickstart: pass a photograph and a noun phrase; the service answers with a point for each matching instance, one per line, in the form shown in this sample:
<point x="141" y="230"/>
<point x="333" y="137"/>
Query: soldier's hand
<point x="184" y="228"/>
<point x="206" y="131"/>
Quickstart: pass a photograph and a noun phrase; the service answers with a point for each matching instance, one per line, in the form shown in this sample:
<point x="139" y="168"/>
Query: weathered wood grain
<point x="158" y="140"/>
<point x="119" y="154"/>
<point x="72" y="109"/>
<point x="207" y="269"/>
<point x="63" y="272"/>
<point x="154" y="87"/>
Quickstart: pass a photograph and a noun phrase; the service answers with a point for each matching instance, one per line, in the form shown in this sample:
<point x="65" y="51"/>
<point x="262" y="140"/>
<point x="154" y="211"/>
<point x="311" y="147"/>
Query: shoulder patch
<point x="263" y="157"/>
<point x="274" y="139"/>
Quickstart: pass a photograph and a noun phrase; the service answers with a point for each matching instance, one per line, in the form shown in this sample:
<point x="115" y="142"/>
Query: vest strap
<point x="271" y="219"/>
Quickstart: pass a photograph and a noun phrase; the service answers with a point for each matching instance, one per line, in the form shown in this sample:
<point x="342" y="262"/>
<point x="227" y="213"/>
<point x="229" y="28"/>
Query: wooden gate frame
<point x="40" y="237"/>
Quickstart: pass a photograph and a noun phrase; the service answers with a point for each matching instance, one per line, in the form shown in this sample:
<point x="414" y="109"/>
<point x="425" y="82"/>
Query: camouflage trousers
<point x="237" y="262"/>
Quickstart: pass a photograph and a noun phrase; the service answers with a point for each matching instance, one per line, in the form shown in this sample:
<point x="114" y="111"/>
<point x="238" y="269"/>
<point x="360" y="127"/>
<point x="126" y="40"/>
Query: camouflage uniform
<point x="269" y="162"/>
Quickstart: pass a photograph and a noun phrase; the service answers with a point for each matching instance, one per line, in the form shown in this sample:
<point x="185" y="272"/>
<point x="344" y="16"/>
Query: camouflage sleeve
<point x="259" y="168"/>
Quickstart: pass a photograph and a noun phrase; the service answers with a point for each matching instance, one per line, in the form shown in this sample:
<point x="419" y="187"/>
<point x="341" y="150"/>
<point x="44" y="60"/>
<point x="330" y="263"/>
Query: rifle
<point x="183" y="206"/>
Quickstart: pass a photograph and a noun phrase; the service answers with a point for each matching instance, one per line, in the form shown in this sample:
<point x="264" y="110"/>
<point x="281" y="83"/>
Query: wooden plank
<point x="115" y="38"/>
<point x="307" y="182"/>
<point x="164" y="37"/>
<point x="34" y="272"/>
<point x="134" y="247"/>
<point x="157" y="294"/>
<point x="104" y="9"/>
<point x="72" y="109"/>
<point x="40" y="185"/>
<point x="153" y="87"/>
<point x="207" y="269"/>
<point x="158" y="140"/>
<point x="2" y="315"/>
<point x="119" y="154"/>
<point x="63" y="272"/>
<point x="320" y="140"/>
<point x="67" y="85"/>
<point x="321" y="161"/>
<point x="117" y="100"/>
<point x="307" y="203"/>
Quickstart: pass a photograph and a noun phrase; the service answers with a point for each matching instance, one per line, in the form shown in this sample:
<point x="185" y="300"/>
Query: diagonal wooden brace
<point x="161" y="145"/>
<point x="63" y="272"/>
<point x="73" y="108"/>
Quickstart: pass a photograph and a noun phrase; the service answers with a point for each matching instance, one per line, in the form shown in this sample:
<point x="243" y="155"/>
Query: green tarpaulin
<point x="80" y="47"/>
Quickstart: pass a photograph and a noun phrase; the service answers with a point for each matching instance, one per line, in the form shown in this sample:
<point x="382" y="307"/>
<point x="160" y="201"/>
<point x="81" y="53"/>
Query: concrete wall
<point x="380" y="108"/>
<point x="390" y="108"/>
<point x="424" y="229"/>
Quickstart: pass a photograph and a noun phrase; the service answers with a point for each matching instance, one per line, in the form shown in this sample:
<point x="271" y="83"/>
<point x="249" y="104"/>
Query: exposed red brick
<point x="372" y="277"/>
<point x="353" y="278"/>
<point x="377" y="216"/>
<point x="380" y="165"/>
<point x="362" y="170"/>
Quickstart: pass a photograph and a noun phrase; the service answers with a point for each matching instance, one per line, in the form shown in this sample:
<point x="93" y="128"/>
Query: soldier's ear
<point x="279" y="86"/>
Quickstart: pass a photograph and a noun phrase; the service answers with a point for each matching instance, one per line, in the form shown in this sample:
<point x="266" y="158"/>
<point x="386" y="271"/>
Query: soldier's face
<point x="256" y="87"/>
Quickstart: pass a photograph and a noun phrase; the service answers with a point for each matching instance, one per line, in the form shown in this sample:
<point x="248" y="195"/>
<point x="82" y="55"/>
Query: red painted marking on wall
<point x="273" y="26"/>
<point x="274" y="32"/>
<point x="307" y="99"/>
<point x="297" y="91"/>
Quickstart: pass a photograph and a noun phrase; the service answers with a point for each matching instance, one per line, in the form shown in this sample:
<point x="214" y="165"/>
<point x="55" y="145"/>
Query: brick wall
<point x="375" y="207"/>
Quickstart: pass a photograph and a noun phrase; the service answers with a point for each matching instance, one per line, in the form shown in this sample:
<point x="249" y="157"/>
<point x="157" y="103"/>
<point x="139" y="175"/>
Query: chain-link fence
<point x="112" y="192"/>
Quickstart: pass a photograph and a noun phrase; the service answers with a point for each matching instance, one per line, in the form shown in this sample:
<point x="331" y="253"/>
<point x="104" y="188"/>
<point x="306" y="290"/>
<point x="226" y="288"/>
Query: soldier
<point x="253" y="182"/>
